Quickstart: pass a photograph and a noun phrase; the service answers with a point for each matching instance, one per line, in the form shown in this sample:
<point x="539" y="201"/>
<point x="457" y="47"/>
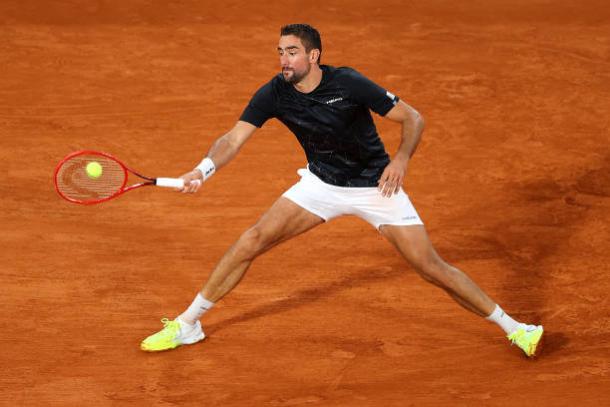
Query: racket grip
<point x="170" y="182"/>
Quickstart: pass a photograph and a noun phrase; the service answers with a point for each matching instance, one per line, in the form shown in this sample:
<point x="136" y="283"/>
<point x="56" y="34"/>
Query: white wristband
<point x="207" y="168"/>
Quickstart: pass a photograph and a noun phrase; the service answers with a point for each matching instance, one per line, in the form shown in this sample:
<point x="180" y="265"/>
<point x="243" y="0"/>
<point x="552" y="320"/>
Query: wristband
<point x="207" y="168"/>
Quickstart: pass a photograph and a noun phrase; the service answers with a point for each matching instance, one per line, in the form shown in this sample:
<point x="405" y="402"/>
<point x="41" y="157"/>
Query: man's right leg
<point x="282" y="221"/>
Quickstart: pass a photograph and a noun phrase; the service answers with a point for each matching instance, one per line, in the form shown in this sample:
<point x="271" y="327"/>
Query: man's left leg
<point x="415" y="246"/>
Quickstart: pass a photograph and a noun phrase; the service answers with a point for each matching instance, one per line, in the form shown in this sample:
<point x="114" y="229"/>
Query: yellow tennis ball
<point x="94" y="169"/>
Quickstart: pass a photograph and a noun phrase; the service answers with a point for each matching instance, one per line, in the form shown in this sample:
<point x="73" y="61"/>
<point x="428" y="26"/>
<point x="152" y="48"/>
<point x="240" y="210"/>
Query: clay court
<point x="512" y="179"/>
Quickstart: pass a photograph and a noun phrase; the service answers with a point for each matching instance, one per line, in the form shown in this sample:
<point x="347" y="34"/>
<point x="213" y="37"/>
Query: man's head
<point x="300" y="47"/>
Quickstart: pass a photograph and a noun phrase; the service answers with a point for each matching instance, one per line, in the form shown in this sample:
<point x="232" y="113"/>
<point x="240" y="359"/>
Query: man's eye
<point x="292" y="53"/>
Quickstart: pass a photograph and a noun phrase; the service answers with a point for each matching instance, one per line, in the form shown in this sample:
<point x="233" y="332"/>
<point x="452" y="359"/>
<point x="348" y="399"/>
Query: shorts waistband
<point x="305" y="172"/>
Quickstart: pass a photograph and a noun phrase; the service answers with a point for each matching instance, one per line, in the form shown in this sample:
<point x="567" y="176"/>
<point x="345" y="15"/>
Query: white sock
<point x="199" y="307"/>
<point x="501" y="318"/>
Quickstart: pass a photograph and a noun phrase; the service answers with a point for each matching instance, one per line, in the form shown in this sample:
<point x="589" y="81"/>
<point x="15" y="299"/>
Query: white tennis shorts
<point x="330" y="201"/>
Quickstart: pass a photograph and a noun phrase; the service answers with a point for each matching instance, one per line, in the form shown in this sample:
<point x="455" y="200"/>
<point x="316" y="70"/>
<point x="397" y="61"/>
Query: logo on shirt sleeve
<point x="391" y="96"/>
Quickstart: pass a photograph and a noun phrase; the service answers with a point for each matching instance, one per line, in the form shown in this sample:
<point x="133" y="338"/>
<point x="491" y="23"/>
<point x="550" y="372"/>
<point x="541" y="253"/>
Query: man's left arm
<point x="412" y="129"/>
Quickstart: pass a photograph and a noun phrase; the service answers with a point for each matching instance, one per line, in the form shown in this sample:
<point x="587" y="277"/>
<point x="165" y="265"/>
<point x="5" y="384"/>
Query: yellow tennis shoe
<point x="174" y="333"/>
<point x="528" y="338"/>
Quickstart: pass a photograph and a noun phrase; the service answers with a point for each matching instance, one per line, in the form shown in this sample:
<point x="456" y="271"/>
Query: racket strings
<point x="75" y="183"/>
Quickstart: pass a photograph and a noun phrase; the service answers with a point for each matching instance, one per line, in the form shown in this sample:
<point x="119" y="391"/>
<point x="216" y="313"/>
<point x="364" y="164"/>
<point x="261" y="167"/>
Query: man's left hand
<point x="392" y="177"/>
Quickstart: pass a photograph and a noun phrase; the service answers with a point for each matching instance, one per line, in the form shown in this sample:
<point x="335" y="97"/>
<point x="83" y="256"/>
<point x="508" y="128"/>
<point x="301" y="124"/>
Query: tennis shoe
<point x="528" y="338"/>
<point x="174" y="333"/>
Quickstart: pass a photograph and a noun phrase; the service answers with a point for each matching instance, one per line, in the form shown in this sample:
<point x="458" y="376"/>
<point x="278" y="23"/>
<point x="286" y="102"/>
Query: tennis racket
<point x="91" y="177"/>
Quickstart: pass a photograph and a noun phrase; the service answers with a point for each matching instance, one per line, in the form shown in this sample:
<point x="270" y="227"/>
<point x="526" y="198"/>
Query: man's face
<point x="294" y="60"/>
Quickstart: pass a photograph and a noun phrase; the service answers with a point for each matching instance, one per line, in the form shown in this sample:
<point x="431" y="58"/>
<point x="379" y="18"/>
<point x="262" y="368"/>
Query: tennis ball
<point x="94" y="170"/>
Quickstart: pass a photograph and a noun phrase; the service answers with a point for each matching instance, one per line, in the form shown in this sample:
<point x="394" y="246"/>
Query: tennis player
<point x="348" y="173"/>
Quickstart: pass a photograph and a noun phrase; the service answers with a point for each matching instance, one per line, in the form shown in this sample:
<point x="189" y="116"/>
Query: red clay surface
<point x="511" y="178"/>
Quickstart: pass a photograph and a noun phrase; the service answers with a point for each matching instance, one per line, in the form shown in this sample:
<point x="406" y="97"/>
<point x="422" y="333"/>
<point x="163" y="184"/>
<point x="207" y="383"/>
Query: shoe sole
<point x="198" y="338"/>
<point x="539" y="346"/>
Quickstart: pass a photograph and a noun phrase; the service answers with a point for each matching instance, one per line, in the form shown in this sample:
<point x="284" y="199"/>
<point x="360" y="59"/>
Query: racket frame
<point x="126" y="170"/>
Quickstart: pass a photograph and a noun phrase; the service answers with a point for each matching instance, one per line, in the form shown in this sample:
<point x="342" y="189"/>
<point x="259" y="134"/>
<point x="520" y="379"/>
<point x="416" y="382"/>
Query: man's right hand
<point x="192" y="182"/>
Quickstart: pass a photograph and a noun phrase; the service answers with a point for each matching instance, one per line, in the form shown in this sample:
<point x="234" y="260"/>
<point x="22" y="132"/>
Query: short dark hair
<point x="309" y="36"/>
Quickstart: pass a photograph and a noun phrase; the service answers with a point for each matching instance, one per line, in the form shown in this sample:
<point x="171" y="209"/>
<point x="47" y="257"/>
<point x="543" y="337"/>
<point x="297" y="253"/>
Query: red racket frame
<point x="120" y="191"/>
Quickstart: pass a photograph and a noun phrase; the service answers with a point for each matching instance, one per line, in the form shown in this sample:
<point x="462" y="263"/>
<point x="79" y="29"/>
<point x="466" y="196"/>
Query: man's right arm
<point x="223" y="150"/>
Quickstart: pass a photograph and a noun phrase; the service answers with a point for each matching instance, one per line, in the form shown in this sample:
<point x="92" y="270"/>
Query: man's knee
<point x="433" y="269"/>
<point x="251" y="243"/>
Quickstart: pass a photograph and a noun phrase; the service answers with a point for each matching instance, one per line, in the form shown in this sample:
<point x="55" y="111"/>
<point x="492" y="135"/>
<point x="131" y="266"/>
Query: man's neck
<point x="311" y="81"/>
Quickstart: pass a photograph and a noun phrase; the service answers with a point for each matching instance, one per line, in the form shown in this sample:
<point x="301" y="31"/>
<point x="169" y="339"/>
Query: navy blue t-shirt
<point x="333" y="123"/>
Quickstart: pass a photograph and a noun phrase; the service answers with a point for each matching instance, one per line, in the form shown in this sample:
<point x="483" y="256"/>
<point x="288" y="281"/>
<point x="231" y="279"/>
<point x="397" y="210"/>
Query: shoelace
<point x="167" y="325"/>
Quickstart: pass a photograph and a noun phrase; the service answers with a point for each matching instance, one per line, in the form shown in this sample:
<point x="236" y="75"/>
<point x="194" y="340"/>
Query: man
<point x="348" y="172"/>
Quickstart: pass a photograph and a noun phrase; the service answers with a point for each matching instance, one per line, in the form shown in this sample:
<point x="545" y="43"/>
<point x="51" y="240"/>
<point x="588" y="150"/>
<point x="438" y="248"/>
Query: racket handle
<point x="170" y="182"/>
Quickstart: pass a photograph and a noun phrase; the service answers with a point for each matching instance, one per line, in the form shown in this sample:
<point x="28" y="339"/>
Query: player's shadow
<point x="537" y="236"/>
<point x="553" y="209"/>
<point x="308" y="295"/>
<point x="554" y="342"/>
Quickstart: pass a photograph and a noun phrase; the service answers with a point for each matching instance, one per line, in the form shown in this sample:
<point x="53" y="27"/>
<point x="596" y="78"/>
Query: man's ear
<point x="314" y="55"/>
